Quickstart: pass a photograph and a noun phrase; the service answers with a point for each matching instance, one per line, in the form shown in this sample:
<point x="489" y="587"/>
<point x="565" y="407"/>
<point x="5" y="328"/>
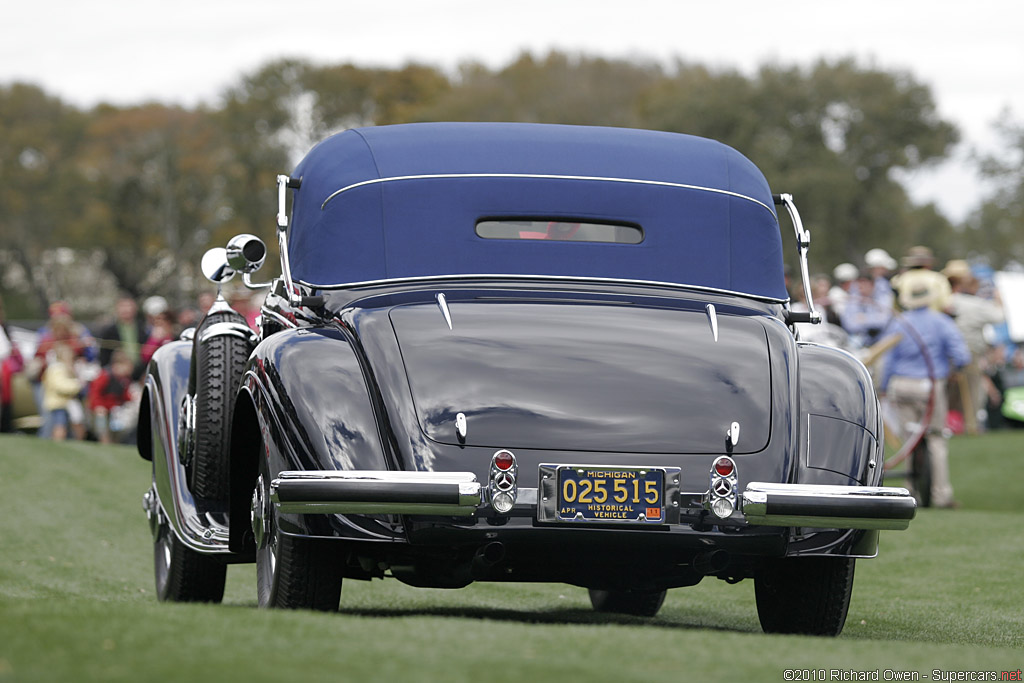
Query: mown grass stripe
<point x="77" y="600"/>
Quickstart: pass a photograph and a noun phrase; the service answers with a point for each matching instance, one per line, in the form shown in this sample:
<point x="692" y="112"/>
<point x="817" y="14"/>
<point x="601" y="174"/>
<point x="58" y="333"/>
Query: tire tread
<point x="191" y="576"/>
<point x="310" y="577"/>
<point x="220" y="363"/>
<point x="805" y="595"/>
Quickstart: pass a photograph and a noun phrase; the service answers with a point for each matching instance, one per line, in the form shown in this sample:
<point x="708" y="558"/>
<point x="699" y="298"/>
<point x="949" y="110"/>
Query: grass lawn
<point x="77" y="600"/>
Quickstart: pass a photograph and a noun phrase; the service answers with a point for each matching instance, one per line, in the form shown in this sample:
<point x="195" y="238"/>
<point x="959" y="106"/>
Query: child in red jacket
<point x="109" y="391"/>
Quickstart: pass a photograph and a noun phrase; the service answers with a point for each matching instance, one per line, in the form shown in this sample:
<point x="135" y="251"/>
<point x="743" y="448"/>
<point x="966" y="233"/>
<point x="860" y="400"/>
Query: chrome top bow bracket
<point x="283" y="183"/>
<point x="803" y="243"/>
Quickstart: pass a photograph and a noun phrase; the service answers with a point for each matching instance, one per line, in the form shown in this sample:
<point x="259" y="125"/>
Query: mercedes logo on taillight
<point x="504" y="481"/>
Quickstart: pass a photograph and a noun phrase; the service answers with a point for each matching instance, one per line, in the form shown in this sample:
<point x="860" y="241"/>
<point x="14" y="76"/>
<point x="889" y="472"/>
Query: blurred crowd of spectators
<point x="935" y="340"/>
<point x="85" y="383"/>
<point x="861" y="306"/>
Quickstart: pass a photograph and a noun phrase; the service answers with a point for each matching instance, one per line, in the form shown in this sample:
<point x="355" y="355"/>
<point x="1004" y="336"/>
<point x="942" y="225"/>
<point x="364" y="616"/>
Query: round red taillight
<point x="724" y="467"/>
<point x="504" y="460"/>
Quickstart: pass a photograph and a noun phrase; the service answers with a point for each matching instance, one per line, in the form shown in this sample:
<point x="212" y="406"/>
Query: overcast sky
<point x="129" y="51"/>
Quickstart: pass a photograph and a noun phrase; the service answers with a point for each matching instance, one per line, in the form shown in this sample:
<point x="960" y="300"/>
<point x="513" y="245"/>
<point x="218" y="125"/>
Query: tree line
<point x="145" y="189"/>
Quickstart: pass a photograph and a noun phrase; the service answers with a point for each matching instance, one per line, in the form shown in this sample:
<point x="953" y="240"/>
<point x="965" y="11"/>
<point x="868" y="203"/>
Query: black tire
<point x="808" y="595"/>
<point x="295" y="573"/>
<point x="219" y="363"/>
<point x="636" y="603"/>
<point x="182" y="574"/>
<point x="921" y="473"/>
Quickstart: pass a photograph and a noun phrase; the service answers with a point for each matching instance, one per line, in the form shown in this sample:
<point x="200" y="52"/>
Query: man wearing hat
<point x="920" y="260"/>
<point x="881" y="266"/>
<point x="972" y="314"/>
<point x="844" y="275"/>
<point x="914" y="377"/>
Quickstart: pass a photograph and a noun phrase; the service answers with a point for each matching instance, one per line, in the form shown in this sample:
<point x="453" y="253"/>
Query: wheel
<point x="637" y="603"/>
<point x="218" y="363"/>
<point x="808" y="595"/>
<point x="291" y="573"/>
<point x="921" y="474"/>
<point x="182" y="574"/>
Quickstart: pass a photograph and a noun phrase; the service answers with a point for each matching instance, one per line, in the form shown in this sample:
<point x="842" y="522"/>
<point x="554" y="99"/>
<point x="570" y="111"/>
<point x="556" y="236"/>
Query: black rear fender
<point x="304" y="405"/>
<point x="840" y="417"/>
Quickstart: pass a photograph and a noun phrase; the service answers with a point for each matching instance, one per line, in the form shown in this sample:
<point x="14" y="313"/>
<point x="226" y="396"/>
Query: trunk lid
<point x="586" y="376"/>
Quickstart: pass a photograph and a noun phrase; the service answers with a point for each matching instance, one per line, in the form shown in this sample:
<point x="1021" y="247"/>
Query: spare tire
<point x="218" y="362"/>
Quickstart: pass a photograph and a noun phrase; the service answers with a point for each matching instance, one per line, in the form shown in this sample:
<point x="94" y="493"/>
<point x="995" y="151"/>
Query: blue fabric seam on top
<point x="514" y="176"/>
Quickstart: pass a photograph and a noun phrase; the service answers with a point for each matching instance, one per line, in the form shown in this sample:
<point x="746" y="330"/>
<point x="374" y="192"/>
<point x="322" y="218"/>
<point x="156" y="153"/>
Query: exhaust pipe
<point x="486" y="557"/>
<point x="711" y="562"/>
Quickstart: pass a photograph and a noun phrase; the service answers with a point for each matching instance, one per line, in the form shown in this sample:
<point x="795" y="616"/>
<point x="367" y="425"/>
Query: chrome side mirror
<point x="246" y="253"/>
<point x="215" y="265"/>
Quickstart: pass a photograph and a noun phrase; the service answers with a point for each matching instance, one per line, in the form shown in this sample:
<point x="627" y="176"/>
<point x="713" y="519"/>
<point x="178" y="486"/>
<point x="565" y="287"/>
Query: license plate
<point x="632" y="495"/>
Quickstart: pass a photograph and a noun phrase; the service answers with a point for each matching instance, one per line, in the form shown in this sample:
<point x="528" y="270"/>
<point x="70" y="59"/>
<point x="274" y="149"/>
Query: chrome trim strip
<point x="827" y="507"/>
<point x="428" y="279"/>
<point x="442" y="303"/>
<point x="226" y="329"/>
<point x="543" y="176"/>
<point x="391" y="476"/>
<point x="278" y="317"/>
<point x="712" y="319"/>
<point x="220" y="305"/>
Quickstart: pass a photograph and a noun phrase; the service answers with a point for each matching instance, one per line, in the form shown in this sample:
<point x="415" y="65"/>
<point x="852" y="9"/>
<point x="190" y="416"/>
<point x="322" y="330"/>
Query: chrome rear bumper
<point x="459" y="494"/>
<point x="351" y="492"/>
<point x="827" y="507"/>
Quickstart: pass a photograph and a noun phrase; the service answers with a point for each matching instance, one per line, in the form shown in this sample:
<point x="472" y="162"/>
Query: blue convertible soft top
<point x="404" y="201"/>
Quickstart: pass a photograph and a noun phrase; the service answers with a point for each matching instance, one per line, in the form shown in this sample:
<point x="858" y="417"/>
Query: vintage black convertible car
<point x="515" y="352"/>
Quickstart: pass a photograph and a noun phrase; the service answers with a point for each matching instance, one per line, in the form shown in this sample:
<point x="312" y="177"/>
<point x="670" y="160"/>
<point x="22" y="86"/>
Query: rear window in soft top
<point x="558" y="230"/>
